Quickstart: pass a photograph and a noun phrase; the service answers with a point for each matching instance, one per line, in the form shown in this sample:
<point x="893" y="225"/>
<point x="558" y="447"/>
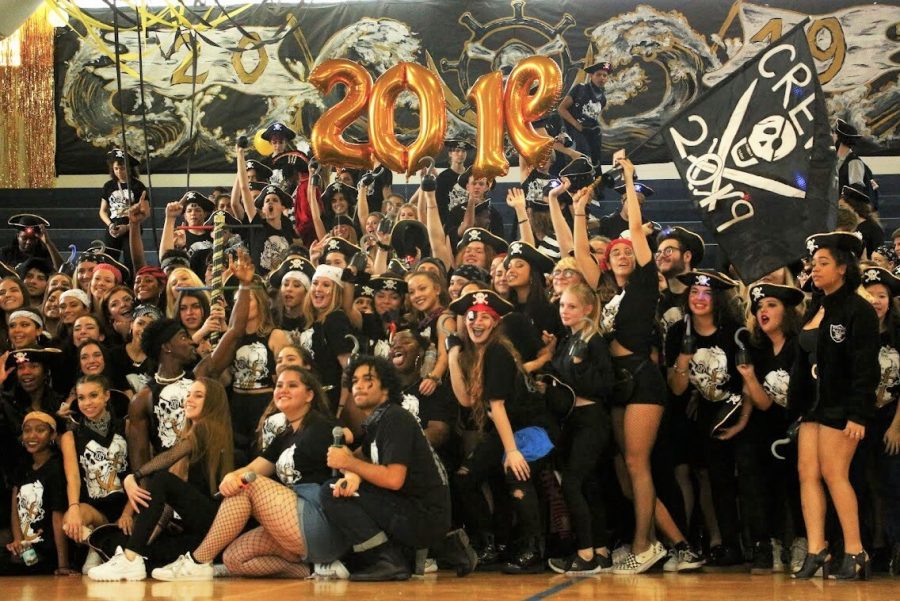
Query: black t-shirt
<point x="270" y="245"/>
<point x="522" y="334"/>
<point x="445" y="182"/>
<point x="774" y="374"/>
<point x="194" y="242"/>
<point x="872" y="233"/>
<point x="41" y="492"/>
<point x="712" y="371"/>
<point x="587" y="103"/>
<point x="889" y="360"/>
<point x="669" y="311"/>
<point x="125" y="374"/>
<point x="102" y="460"/>
<point x="326" y="340"/>
<point x="119" y="199"/>
<point x="375" y="192"/>
<point x="167" y="411"/>
<point x="440" y="406"/>
<point x="630" y="315"/>
<point x="503" y="381"/>
<point x="299" y="457"/>
<point x="395" y="437"/>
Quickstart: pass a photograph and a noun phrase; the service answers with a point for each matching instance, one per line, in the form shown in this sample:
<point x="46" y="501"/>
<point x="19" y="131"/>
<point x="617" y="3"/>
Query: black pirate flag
<point x="755" y="153"/>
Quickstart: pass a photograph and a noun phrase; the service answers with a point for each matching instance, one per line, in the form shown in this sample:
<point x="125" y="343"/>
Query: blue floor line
<point x="555" y="589"/>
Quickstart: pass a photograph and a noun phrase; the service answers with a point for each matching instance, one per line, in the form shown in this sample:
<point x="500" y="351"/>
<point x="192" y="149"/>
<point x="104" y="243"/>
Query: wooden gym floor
<point x="709" y="586"/>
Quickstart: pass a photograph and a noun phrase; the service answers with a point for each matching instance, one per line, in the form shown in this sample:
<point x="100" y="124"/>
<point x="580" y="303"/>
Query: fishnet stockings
<point x="278" y="542"/>
<point x="258" y="554"/>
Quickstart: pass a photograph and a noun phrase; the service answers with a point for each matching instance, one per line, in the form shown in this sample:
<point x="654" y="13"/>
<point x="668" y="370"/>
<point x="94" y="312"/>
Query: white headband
<point x="29" y="314"/>
<point x="330" y="272"/>
<point x="297" y="275"/>
<point x="81" y="295"/>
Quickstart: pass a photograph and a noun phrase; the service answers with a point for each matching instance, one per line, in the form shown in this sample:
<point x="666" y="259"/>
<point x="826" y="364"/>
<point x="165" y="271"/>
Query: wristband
<point x="71" y="504"/>
<point x="579" y="214"/>
<point x="523" y="221"/>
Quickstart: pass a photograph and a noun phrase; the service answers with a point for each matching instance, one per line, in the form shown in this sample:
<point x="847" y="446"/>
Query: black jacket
<point x="592" y="378"/>
<point x="846" y="362"/>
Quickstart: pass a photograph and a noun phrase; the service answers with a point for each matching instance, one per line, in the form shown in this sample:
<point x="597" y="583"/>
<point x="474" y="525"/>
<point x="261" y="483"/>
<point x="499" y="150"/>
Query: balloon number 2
<point x="513" y="110"/>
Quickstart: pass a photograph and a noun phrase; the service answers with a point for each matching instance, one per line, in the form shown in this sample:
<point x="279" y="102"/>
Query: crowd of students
<point x="343" y="381"/>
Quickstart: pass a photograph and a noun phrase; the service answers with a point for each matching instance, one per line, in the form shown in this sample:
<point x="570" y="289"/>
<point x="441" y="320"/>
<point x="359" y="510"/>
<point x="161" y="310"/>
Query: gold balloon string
<point x="27" y="109"/>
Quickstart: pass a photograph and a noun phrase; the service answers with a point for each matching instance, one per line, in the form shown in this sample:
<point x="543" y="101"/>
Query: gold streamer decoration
<point x="27" y="118"/>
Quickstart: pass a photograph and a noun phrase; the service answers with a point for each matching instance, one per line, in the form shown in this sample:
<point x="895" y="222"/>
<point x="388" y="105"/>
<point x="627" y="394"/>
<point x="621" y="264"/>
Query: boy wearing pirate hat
<point x="457" y="151"/>
<point x="851" y="170"/>
<point x="581" y="109"/>
<point x="32" y="240"/>
<point x="122" y="190"/>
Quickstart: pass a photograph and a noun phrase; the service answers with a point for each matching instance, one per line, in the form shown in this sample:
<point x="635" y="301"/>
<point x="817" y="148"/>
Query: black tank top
<point x="167" y="411"/>
<point x="254" y="363"/>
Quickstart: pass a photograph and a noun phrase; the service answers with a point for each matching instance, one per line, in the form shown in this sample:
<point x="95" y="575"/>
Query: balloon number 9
<point x="515" y="108"/>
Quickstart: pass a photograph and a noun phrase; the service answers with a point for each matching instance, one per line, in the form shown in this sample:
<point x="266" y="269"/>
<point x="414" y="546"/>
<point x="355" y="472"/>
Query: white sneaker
<point x="431" y="565"/>
<point x="799" y="549"/>
<point x="640" y="563"/>
<point x="119" y="567"/>
<point x="186" y="569"/>
<point x="671" y="564"/>
<point x="92" y="560"/>
<point x="335" y="570"/>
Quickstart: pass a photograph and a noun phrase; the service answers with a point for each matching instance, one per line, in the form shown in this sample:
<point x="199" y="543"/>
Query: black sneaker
<point x="574" y="565"/>
<point x="725" y="555"/>
<point x="762" y="558"/>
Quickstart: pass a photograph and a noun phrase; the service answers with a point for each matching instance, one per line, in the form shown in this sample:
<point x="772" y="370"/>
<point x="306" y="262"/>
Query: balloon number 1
<point x="513" y="110"/>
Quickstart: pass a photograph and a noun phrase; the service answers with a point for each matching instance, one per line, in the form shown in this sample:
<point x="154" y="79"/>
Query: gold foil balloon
<point x="263" y="147"/>
<point x="521" y="107"/>
<point x="432" y="117"/>
<point x="326" y="139"/>
<point x="486" y="95"/>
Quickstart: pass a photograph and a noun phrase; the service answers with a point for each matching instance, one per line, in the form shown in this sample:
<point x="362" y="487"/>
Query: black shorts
<point x="111" y="506"/>
<point x="649" y="387"/>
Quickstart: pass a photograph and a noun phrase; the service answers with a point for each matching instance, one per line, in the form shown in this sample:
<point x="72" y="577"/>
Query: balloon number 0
<point x="497" y="110"/>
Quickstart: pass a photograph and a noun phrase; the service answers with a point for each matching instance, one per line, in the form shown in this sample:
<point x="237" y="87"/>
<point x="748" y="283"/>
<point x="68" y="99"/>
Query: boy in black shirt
<point x="394" y="489"/>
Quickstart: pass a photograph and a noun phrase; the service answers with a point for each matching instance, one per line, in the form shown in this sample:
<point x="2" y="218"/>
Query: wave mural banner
<point x="755" y="154"/>
<point x="234" y="73"/>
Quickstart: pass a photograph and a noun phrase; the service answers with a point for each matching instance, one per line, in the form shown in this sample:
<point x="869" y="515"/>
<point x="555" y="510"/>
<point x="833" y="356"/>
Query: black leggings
<point x="585" y="437"/>
<point x="484" y="462"/>
<point x="196" y="509"/>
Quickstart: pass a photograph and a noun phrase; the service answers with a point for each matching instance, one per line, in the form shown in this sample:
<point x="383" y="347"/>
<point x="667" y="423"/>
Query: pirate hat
<point x="198" y="199"/>
<point x="172" y="259"/>
<point x="230" y="220"/>
<point x="707" y="277"/>
<point x="580" y="172"/>
<point x="285" y="198"/>
<point x="291" y="162"/>
<point x="47" y="356"/>
<point x="542" y="205"/>
<point x="27" y="220"/>
<point x="598" y="66"/>
<point x="117" y="154"/>
<point x="640" y="188"/>
<point x="689" y="241"/>
<point x="262" y="172"/>
<point x="340" y="245"/>
<point x="529" y="254"/>
<point x="7" y="271"/>
<point x="855" y="194"/>
<point x="481" y="300"/>
<point x="845" y="130"/>
<point x="533" y="186"/>
<point x="363" y="290"/>
<point x="479" y="234"/>
<point x="277" y="128"/>
<point x="788" y="295"/>
<point x="350" y="194"/>
<point x="880" y="275"/>
<point x="390" y="282"/>
<point x="458" y="144"/>
<point x="293" y="263"/>
<point x="471" y="273"/>
<point x="42" y="265"/>
<point x="409" y="236"/>
<point x="847" y="241"/>
<point x="256" y="186"/>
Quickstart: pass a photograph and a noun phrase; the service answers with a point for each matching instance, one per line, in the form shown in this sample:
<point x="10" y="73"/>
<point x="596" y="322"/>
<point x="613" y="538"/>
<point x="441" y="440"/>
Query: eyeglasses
<point x="566" y="273"/>
<point x="667" y="252"/>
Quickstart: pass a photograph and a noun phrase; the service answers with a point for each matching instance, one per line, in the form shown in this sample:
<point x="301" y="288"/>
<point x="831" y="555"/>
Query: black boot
<point x="762" y="558"/>
<point x="527" y="561"/>
<point x="455" y="551"/>
<point x="812" y="563"/>
<point x="383" y="563"/>
<point x="488" y="555"/>
<point x="853" y="567"/>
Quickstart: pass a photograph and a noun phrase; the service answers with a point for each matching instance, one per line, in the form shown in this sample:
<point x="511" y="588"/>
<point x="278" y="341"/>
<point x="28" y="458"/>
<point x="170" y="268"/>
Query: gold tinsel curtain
<point x="27" y="117"/>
